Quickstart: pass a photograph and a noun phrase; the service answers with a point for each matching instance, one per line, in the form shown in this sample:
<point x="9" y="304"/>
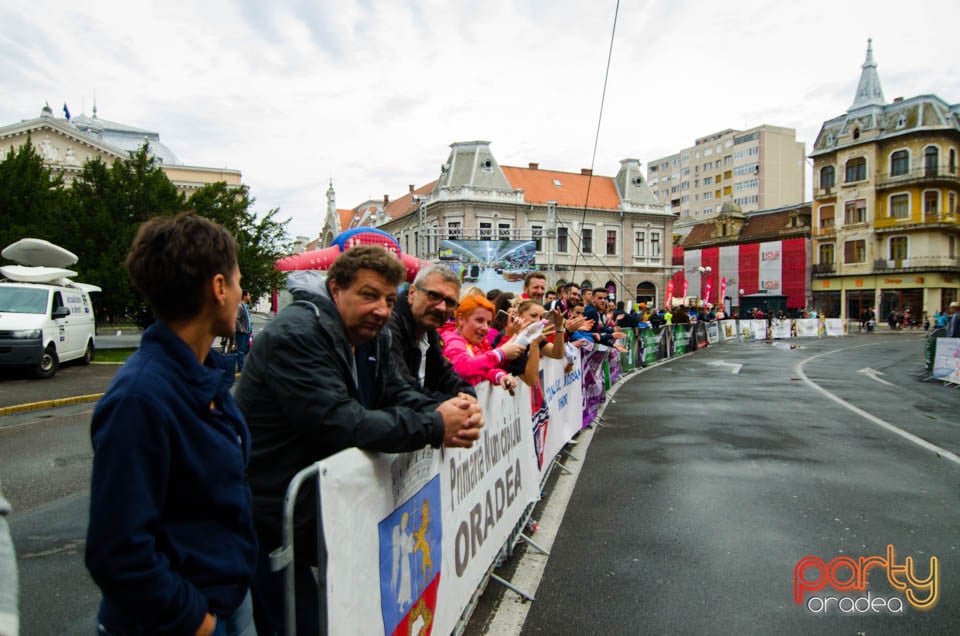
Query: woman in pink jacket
<point x="467" y="348"/>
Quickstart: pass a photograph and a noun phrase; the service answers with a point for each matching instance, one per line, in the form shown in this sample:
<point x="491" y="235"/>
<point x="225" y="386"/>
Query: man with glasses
<point x="416" y="316"/>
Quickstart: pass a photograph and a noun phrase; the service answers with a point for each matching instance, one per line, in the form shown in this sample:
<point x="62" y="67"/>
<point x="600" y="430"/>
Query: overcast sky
<point x="371" y="93"/>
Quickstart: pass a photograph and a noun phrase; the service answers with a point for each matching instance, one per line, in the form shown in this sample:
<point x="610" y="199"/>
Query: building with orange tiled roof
<point x="590" y="229"/>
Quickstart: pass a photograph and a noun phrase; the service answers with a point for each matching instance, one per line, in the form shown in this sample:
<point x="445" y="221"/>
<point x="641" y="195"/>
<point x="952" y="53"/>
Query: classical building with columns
<point x="590" y="229"/>
<point x="66" y="144"/>
<point x="886" y="181"/>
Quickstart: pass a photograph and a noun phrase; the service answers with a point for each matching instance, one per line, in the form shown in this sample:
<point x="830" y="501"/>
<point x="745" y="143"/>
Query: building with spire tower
<point x="885" y="225"/>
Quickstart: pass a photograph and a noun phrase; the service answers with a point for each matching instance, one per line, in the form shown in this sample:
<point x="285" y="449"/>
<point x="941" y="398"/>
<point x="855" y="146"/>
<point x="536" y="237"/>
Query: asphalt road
<point x="708" y="483"/>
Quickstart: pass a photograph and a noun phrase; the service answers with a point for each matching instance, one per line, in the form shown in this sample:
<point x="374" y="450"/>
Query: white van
<point x="42" y="325"/>
<point x="45" y="318"/>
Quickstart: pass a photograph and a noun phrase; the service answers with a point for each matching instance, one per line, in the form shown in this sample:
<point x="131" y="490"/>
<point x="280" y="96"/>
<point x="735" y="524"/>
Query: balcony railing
<point x="918" y="264"/>
<point x="923" y="174"/>
<point x="823" y="269"/>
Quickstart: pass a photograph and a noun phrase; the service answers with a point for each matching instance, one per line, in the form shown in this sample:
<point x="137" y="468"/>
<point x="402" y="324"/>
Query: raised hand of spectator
<point x="511" y="349"/>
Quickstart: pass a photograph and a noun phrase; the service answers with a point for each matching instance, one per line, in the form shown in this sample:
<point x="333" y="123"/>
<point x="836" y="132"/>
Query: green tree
<point x="262" y="241"/>
<point x="108" y="205"/>
<point x="30" y="196"/>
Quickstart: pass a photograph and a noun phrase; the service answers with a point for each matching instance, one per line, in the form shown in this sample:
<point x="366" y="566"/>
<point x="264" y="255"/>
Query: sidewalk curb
<point x="47" y="404"/>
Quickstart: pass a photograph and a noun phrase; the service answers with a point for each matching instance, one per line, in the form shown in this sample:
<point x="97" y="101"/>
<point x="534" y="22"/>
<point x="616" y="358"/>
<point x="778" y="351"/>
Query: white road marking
<point x="873" y="373"/>
<point x="733" y="366"/>
<point x="919" y="441"/>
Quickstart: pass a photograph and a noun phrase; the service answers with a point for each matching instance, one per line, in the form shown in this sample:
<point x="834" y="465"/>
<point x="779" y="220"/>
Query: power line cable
<point x="596" y="137"/>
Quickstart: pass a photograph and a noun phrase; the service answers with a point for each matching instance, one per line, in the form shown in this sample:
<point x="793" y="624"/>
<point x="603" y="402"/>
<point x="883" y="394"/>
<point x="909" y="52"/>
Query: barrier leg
<point x="283" y="557"/>
<point x="519" y="592"/>
<point x="539" y="548"/>
<point x="562" y="467"/>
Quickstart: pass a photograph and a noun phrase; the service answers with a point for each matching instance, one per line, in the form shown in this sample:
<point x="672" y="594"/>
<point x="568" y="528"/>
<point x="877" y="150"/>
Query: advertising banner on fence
<point x="807" y="327"/>
<point x="946" y="362"/>
<point x="650" y="345"/>
<point x="681" y="339"/>
<point x="780" y="329"/>
<point x="613" y="366"/>
<point x="414" y="533"/>
<point x="834" y="326"/>
<point x="759" y="329"/>
<point x="713" y="332"/>
<point x="593" y="390"/>
<point x="563" y="393"/>
<point x="729" y="328"/>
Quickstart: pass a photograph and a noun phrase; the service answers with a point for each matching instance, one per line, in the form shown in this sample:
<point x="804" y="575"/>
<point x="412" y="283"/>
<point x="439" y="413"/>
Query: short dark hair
<point x="172" y="259"/>
<point x="373" y="257"/>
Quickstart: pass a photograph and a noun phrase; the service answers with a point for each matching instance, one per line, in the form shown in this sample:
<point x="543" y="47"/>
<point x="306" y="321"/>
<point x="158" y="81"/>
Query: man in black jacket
<point x="322" y="379"/>
<point x="416" y="317"/>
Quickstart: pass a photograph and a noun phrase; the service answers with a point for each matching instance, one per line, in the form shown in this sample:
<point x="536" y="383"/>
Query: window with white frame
<point x="537" y="231"/>
<point x="639" y="244"/>
<point x="586" y="240"/>
<point x="898" y="248"/>
<point x="855" y="251"/>
<point x="899" y="163"/>
<point x="655" y="244"/>
<point x="855" y="212"/>
<point x="931" y="201"/>
<point x="900" y="206"/>
<point x="611" y="242"/>
<point x="856" y="170"/>
<point x="563" y="245"/>
<point x="827" y="215"/>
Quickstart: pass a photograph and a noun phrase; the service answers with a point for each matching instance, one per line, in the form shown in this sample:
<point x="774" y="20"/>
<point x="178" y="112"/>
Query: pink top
<point x="473" y="363"/>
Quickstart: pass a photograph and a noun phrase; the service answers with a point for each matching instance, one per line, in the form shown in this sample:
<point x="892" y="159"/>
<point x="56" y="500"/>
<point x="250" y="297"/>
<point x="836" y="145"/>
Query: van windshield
<point x="23" y="300"/>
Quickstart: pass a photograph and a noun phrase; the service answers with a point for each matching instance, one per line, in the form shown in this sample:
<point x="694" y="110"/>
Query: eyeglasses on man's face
<point x="436" y="298"/>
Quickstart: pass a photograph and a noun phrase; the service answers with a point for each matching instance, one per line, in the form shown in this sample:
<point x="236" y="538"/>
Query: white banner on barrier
<point x="729" y="329"/>
<point x="563" y="396"/>
<point x="411" y="535"/>
<point x="713" y="332"/>
<point x="834" y="327"/>
<point x="807" y="327"/>
<point x="946" y="360"/>
<point x="780" y="328"/>
<point x="758" y="329"/>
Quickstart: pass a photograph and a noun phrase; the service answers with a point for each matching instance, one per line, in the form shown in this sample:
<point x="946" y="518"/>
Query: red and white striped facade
<point x="778" y="267"/>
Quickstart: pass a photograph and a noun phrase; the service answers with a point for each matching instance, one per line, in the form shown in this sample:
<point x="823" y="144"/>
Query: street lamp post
<point x="704" y="274"/>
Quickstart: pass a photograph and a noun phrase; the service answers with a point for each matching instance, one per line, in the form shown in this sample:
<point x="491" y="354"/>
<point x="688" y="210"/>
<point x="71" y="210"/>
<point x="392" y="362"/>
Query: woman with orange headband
<point x="467" y="347"/>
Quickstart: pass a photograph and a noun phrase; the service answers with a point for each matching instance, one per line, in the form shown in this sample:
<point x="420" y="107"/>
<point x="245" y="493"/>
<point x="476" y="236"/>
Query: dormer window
<point x="487" y="165"/>
<point x="901" y="121"/>
<point x="831" y="139"/>
<point x="856" y="133"/>
<point x="556" y="182"/>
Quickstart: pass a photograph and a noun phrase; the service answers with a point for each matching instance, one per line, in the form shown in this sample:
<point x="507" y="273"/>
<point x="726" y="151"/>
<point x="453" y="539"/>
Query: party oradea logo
<point x="859" y="586"/>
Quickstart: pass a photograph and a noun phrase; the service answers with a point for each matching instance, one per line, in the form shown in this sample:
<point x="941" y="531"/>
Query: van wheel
<point x="49" y="363"/>
<point x="88" y="354"/>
